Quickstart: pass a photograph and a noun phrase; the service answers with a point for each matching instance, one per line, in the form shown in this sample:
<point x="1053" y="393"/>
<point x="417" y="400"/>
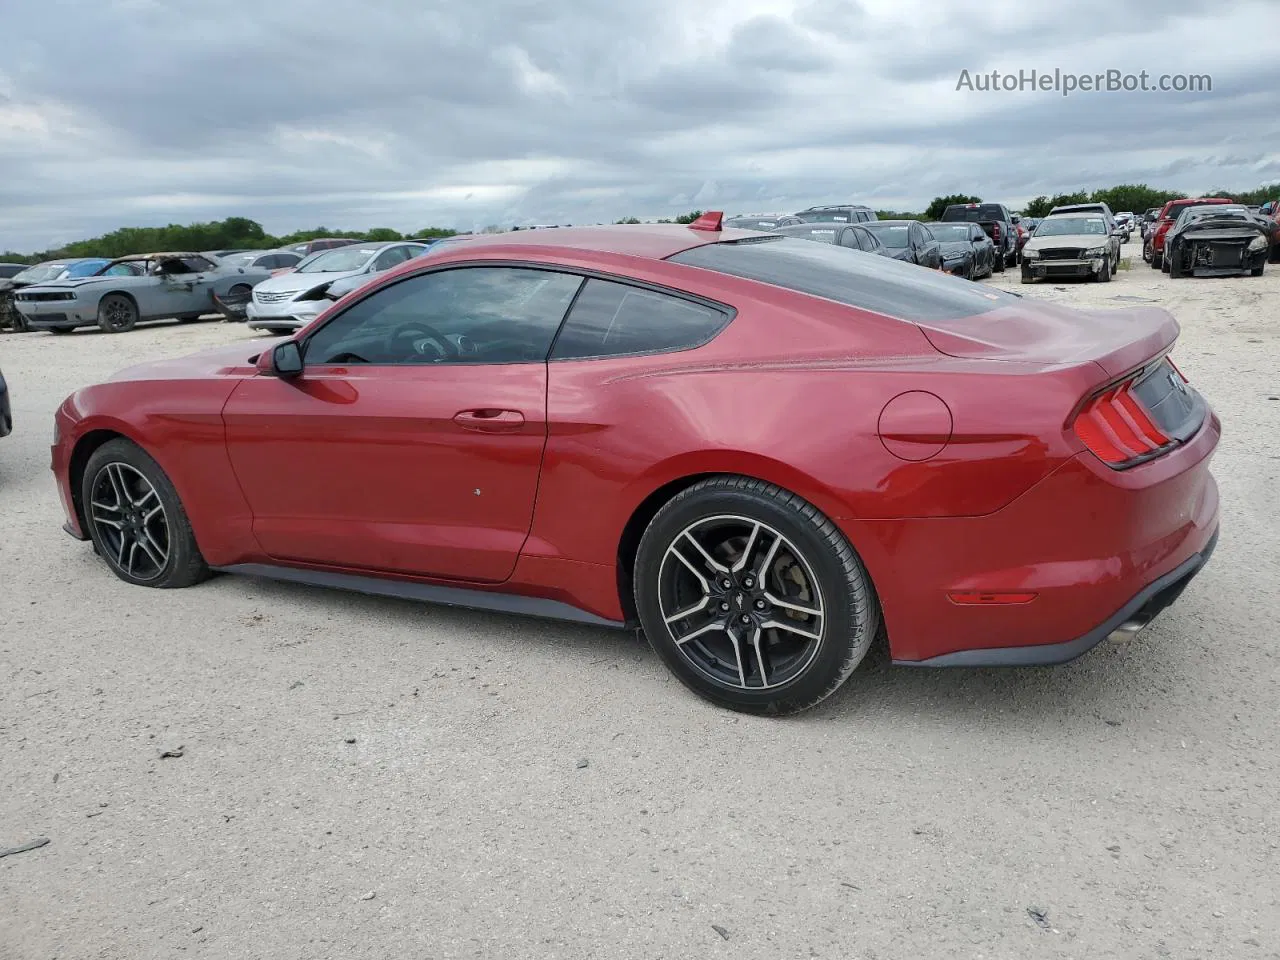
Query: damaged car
<point x="134" y="289"/>
<point x="1217" y="241"/>
<point x="1071" y="245"/>
<point x="44" y="272"/>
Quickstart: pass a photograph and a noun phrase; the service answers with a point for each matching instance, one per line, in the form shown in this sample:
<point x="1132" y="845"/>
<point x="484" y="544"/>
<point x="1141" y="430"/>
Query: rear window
<point x="983" y="211"/>
<point x="613" y="320"/>
<point x="879" y="284"/>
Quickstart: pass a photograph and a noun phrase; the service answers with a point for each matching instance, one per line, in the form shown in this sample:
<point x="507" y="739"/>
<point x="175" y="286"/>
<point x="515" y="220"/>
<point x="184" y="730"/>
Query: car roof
<point x="654" y="241"/>
<point x="1073" y="215"/>
<point x="178" y="255"/>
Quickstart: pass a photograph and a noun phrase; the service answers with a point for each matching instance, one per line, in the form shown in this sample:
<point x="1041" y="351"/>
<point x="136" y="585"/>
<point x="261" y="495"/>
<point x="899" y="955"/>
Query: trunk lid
<point x="1116" y="340"/>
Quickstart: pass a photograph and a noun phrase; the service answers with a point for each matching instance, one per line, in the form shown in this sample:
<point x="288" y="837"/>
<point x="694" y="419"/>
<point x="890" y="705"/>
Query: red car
<point x="1168" y="216"/>
<point x="762" y="450"/>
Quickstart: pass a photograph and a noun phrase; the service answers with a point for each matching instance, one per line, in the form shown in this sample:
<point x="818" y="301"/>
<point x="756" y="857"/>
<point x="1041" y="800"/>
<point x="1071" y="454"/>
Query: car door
<point x="183" y="287"/>
<point x="413" y="439"/>
<point x="924" y="248"/>
<point x="982" y="249"/>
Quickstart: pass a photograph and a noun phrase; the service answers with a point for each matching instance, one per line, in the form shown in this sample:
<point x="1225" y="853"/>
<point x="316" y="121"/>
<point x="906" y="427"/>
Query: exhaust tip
<point x="1128" y="630"/>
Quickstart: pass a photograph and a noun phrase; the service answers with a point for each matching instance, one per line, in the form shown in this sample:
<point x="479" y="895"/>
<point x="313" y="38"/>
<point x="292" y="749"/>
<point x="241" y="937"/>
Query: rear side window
<point x="890" y="287"/>
<point x="613" y="319"/>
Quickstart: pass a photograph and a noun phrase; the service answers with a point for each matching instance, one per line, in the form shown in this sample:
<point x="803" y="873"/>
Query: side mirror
<point x="283" y="360"/>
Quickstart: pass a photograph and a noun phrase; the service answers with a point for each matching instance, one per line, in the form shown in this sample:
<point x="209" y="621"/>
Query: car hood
<point x="1068" y="240"/>
<point x="234" y="360"/>
<point x="294" y="282"/>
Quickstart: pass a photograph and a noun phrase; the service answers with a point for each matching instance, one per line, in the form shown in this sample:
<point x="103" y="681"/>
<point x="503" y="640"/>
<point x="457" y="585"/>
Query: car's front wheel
<point x="136" y="520"/>
<point x="117" y="313"/>
<point x="753" y="598"/>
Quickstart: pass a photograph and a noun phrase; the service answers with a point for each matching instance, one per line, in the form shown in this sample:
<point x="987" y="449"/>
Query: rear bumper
<point x="1090" y="545"/>
<point x="1124" y="623"/>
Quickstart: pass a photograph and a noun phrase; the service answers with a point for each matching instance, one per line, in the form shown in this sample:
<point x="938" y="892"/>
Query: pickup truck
<point x="996" y="222"/>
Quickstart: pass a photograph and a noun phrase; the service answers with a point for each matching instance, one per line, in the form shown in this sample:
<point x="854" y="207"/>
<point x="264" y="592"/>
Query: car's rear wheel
<point x="753" y="598"/>
<point x="117" y="313"/>
<point x="137" y="521"/>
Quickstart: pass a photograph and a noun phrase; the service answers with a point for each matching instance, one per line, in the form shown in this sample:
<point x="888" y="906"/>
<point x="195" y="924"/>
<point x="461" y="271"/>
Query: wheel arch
<point x="661" y="486"/>
<point x="85" y="447"/>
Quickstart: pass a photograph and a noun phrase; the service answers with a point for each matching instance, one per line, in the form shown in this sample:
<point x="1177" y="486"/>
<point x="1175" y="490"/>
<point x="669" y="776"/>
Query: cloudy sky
<point x="462" y="113"/>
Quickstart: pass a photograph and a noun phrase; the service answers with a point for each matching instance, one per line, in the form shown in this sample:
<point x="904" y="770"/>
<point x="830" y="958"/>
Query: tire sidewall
<point x="843" y="637"/>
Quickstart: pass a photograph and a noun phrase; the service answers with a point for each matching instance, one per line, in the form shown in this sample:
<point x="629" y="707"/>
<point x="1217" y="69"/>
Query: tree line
<point x="241" y="232"/>
<point x="229" y="234"/>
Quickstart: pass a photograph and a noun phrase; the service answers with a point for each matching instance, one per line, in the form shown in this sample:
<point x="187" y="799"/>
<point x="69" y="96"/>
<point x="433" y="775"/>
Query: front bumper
<point x="289" y="315"/>
<point x="50" y="314"/>
<point x="1039" y="267"/>
<point x="958" y="267"/>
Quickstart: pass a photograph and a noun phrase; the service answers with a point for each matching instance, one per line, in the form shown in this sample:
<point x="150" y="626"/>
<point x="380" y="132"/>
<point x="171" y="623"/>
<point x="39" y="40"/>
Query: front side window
<point x="614" y="319"/>
<point x="459" y="315"/>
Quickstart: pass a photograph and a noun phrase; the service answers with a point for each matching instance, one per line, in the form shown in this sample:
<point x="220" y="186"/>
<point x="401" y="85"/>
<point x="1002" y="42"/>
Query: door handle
<point x="490" y="420"/>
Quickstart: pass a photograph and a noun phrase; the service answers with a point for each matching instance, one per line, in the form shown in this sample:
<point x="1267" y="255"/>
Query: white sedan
<point x="291" y="300"/>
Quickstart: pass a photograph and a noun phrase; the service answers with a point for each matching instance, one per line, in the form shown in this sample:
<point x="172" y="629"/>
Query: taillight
<point x="1117" y="429"/>
<point x="995" y="231"/>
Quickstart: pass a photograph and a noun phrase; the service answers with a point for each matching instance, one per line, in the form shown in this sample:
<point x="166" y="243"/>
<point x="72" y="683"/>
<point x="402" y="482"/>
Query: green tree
<point x="899" y="215"/>
<point x="1133" y="196"/>
<point x="1039" y="207"/>
<point x="627" y="220"/>
<point x="688" y="217"/>
<point x="938" y="204"/>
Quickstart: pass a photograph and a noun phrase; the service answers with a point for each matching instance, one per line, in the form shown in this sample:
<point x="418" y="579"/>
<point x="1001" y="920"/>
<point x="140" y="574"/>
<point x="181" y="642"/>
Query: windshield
<point x="341" y="260"/>
<point x="950" y="232"/>
<point x="982" y="212"/>
<point x="893" y="236"/>
<point x="825" y="216"/>
<point x="86" y="268"/>
<point x="40" y="273"/>
<point x="239" y="259"/>
<point x="1071" y="226"/>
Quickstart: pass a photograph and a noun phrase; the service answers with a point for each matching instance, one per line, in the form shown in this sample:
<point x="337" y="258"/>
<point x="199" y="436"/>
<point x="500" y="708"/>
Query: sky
<point x="466" y="113"/>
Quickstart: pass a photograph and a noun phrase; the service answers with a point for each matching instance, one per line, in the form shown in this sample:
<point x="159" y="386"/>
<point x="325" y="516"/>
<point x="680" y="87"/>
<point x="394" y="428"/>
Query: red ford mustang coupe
<point x="765" y="452"/>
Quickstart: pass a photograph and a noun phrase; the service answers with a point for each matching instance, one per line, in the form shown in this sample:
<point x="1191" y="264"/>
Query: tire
<point x="1104" y="275"/>
<point x="1257" y="271"/>
<point x="1027" y="277"/>
<point x="1173" y="267"/>
<point x="61" y="330"/>
<point x="117" y="313"/>
<point x="1146" y="250"/>
<point x="812" y="573"/>
<point x="122" y="489"/>
<point x="1156" y="260"/>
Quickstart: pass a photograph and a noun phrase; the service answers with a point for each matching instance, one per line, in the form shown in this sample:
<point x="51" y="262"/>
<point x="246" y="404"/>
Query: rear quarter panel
<point x="622" y="428"/>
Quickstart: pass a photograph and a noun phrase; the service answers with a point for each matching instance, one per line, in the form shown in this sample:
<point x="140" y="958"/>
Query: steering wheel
<point x="421" y="333"/>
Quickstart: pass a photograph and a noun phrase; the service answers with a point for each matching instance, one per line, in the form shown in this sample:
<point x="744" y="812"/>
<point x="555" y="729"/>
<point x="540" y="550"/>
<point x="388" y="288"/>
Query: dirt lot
<point x="1131" y="800"/>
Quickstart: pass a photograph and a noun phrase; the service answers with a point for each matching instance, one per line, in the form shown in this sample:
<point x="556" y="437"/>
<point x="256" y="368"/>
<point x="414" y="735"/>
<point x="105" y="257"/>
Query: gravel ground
<point x="364" y="778"/>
